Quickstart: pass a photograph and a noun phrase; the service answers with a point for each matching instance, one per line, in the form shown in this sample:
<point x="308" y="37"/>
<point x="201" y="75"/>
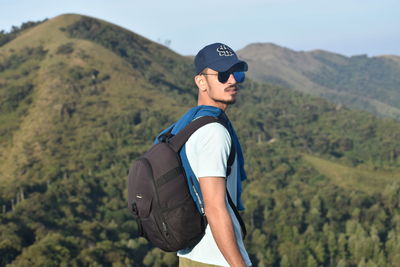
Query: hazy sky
<point x="348" y="27"/>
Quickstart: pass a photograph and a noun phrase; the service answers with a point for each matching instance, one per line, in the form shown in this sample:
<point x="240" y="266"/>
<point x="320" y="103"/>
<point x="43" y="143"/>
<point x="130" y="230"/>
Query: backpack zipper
<point x="158" y="214"/>
<point x="165" y="228"/>
<point x="198" y="198"/>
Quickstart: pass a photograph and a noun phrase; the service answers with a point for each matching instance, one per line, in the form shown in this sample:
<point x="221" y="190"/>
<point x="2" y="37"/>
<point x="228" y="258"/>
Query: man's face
<point x="220" y="93"/>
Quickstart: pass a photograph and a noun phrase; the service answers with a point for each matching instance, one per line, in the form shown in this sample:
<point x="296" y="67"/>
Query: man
<point x="218" y="73"/>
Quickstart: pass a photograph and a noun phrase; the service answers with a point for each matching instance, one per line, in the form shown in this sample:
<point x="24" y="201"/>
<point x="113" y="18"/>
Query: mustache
<point x="232" y="87"/>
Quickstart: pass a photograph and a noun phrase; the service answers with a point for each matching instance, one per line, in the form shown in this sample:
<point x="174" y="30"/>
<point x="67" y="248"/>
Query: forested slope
<point x="82" y="98"/>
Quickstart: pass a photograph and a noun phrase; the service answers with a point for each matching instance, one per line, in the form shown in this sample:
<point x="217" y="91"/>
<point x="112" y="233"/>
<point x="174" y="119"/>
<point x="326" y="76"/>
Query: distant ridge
<point x="371" y="84"/>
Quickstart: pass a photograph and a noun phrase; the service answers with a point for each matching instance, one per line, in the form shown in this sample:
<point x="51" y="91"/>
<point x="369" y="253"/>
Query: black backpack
<point x="158" y="194"/>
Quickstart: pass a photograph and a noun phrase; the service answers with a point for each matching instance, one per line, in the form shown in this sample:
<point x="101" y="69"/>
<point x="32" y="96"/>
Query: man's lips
<point x="232" y="92"/>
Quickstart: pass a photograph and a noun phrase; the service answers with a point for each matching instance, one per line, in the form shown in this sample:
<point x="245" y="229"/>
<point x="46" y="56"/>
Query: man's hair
<point x="203" y="71"/>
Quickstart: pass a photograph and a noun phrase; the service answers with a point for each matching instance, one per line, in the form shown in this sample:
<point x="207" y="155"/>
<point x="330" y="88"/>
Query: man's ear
<point x="200" y="82"/>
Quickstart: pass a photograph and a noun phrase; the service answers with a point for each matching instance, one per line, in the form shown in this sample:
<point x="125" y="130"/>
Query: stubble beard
<point x="232" y="101"/>
<point x="226" y="102"/>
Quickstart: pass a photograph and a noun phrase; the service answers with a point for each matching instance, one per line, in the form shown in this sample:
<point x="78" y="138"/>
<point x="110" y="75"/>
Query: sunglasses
<point x="224" y="76"/>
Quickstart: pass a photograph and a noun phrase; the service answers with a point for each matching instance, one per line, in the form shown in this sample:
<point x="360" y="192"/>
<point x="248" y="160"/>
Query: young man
<point x="218" y="73"/>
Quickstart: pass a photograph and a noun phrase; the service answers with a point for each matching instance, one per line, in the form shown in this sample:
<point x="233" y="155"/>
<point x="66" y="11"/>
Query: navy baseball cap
<point x="218" y="57"/>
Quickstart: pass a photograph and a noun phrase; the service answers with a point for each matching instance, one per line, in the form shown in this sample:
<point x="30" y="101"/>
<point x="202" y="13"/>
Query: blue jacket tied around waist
<point x="189" y="116"/>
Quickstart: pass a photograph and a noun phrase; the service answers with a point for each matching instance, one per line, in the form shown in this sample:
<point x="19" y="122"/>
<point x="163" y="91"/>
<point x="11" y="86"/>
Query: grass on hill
<point x="354" y="178"/>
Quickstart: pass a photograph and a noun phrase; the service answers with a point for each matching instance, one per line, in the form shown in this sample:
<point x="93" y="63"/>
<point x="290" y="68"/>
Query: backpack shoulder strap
<point x="239" y="218"/>
<point x="231" y="159"/>
<point x="180" y="138"/>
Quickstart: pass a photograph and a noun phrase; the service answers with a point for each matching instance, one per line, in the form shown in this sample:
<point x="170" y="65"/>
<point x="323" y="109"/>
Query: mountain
<point x="366" y="83"/>
<point x="81" y="98"/>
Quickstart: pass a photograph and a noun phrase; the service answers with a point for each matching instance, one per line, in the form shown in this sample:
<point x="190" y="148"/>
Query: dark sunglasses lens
<point x="239" y="76"/>
<point x="223" y="77"/>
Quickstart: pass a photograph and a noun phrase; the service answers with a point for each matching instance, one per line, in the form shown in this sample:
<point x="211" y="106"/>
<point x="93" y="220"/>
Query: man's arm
<point x="214" y="190"/>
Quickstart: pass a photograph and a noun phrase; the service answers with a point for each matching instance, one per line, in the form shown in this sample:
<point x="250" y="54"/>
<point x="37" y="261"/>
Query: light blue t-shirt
<point x="207" y="151"/>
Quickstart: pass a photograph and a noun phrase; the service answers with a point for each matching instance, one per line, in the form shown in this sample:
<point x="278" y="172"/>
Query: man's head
<point x="218" y="70"/>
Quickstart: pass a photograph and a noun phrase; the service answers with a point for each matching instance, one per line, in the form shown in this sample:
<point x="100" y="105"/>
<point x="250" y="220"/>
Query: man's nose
<point x="232" y="79"/>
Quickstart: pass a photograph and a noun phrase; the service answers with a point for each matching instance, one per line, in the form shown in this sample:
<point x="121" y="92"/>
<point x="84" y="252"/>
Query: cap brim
<point x="240" y="66"/>
<point x="225" y="65"/>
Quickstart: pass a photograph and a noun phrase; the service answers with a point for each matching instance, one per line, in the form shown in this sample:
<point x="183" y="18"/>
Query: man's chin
<point x="227" y="102"/>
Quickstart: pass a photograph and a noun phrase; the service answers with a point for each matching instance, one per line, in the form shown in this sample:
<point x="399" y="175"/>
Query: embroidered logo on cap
<point x="224" y="51"/>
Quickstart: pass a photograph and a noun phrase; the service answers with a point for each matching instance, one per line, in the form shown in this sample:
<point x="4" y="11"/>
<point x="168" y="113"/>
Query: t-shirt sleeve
<point x="208" y="150"/>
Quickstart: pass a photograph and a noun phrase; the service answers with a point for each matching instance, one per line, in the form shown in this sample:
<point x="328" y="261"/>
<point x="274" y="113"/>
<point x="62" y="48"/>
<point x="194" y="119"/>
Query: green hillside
<point x="361" y="178"/>
<point x="82" y="98"/>
<point x="361" y="82"/>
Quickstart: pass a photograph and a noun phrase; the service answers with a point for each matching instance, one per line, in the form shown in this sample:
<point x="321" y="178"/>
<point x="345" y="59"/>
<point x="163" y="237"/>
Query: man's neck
<point x="220" y="105"/>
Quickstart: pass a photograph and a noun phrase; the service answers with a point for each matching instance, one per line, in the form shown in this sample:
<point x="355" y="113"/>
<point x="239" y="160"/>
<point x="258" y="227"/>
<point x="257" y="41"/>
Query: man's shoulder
<point x="212" y="135"/>
<point x="212" y="130"/>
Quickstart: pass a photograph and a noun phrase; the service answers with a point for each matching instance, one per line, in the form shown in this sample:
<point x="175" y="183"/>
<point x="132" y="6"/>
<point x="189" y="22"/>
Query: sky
<point x="347" y="27"/>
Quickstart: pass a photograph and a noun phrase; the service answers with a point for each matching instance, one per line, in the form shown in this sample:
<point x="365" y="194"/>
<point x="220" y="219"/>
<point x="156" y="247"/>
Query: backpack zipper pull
<point x="198" y="199"/>
<point x="165" y="230"/>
